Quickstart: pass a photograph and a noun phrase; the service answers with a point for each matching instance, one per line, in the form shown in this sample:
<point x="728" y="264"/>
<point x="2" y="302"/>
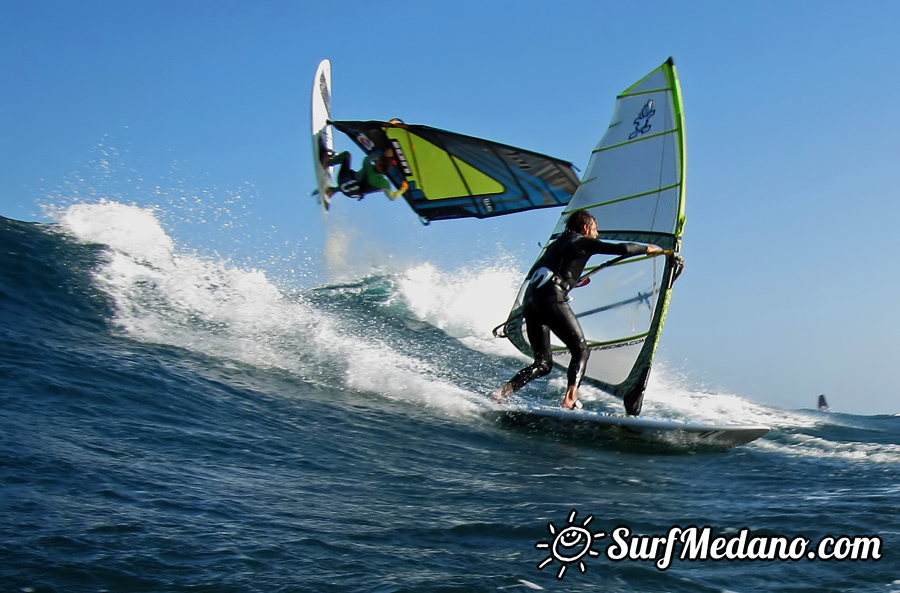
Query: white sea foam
<point x="806" y="445"/>
<point x="169" y="296"/>
<point x="671" y="395"/>
<point x="466" y="304"/>
<point x="378" y="368"/>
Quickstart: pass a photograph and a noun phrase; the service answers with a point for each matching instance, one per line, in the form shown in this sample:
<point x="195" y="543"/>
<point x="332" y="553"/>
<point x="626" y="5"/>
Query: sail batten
<point x="634" y="187"/>
<point x="643" y="92"/>
<point x="642" y="139"/>
<point x="625" y="198"/>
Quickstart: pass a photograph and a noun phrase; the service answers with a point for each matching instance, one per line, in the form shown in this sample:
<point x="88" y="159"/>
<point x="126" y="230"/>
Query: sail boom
<point x="626" y="198"/>
<point x="628" y="341"/>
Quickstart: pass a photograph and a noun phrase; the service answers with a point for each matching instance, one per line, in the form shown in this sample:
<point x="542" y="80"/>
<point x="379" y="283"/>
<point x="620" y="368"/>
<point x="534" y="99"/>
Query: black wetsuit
<point x="546" y="307"/>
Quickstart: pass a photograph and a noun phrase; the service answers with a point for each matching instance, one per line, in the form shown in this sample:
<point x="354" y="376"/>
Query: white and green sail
<point x="634" y="187"/>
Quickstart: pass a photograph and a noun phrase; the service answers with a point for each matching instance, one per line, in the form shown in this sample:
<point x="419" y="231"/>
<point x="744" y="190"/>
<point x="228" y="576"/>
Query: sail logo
<point x="401" y="158"/>
<point x="635" y="342"/>
<point x="516" y="158"/>
<point x="364" y="141"/>
<point x="642" y="121"/>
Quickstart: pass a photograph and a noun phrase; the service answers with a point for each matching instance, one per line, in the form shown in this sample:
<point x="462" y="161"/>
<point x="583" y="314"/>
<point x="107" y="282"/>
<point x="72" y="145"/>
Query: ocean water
<point x="173" y="422"/>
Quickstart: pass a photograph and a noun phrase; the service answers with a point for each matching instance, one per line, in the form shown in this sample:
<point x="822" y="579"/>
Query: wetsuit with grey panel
<point x="546" y="308"/>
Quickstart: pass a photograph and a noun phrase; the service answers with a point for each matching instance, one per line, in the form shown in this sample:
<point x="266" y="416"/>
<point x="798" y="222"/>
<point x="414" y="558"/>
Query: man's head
<point x="383" y="161"/>
<point x="583" y="223"/>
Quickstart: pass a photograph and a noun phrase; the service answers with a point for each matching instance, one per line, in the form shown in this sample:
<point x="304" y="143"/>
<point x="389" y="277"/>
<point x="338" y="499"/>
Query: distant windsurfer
<point x="546" y="306"/>
<point x="371" y="178"/>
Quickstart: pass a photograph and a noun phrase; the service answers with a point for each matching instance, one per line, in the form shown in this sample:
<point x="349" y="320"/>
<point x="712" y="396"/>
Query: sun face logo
<point x="570" y="544"/>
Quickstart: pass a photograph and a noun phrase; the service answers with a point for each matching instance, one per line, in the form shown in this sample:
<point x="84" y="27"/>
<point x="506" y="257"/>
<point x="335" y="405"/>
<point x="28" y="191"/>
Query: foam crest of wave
<point x="811" y="446"/>
<point x="168" y="296"/>
<point x="465" y="304"/>
<point x="180" y="299"/>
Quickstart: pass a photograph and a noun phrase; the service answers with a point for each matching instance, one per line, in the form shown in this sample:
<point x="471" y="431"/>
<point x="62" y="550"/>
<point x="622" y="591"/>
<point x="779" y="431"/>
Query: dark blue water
<point x="176" y="423"/>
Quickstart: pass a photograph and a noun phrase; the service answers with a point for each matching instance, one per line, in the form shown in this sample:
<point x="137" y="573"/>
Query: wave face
<point x="171" y="421"/>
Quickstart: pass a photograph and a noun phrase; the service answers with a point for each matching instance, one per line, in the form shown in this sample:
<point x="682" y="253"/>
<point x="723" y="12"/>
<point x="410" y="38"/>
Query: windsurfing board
<point x="603" y="425"/>
<point x="322" y="138"/>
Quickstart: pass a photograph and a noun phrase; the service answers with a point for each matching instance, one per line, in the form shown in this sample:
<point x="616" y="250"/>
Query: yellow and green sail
<point x="451" y="175"/>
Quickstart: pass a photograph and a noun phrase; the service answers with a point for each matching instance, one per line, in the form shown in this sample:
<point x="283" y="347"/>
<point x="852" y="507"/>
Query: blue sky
<point x="791" y="139"/>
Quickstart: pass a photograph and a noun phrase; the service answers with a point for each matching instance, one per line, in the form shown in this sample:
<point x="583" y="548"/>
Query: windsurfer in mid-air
<point x="546" y="306"/>
<point x="371" y="178"/>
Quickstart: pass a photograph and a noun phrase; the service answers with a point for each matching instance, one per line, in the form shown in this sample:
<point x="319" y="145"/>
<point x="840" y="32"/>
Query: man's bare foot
<point x="572" y="404"/>
<point x="570" y="401"/>
<point x="501" y="395"/>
